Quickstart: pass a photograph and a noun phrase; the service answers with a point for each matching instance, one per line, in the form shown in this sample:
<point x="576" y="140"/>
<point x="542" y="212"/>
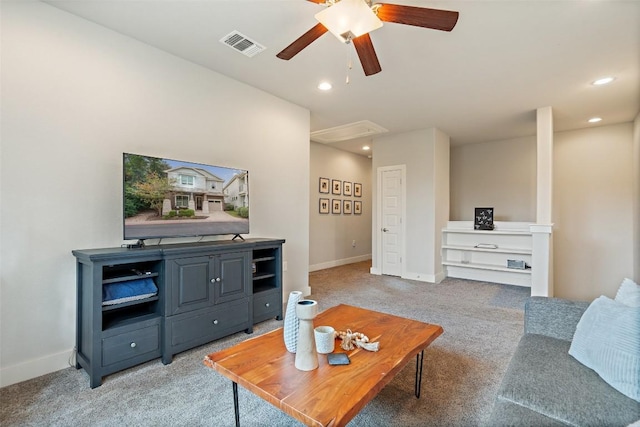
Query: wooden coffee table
<point x="329" y="395"/>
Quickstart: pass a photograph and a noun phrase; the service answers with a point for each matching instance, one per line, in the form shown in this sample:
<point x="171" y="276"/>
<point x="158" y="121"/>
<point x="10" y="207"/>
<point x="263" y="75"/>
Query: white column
<point x="541" y="260"/>
<point x="542" y="257"/>
<point x="544" y="122"/>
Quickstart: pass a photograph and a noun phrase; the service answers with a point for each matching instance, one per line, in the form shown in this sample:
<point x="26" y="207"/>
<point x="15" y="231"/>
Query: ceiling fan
<point x="353" y="20"/>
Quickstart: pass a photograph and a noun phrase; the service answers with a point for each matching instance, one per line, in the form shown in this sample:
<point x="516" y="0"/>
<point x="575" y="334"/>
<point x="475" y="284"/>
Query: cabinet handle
<point x="266" y="305"/>
<point x="217" y="279"/>
<point x="215" y="322"/>
<point x="133" y="345"/>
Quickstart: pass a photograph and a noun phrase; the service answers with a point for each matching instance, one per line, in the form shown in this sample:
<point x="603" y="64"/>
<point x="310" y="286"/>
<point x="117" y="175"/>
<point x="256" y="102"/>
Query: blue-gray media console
<point x="135" y="305"/>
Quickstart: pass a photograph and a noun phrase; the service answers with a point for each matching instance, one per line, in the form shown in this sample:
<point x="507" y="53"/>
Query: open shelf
<point x="265" y="269"/>
<point x="263" y="276"/>
<point x="513" y="232"/>
<point x="128" y="277"/>
<point x="462" y="258"/>
<point x="266" y="258"/>
<point x="111" y="307"/>
<point x="491" y="267"/>
<point x="262" y="287"/>
<point x="496" y="250"/>
<point x="126" y="318"/>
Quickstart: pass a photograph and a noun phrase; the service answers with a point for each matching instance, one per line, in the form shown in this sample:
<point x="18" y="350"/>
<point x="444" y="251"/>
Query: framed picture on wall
<point x="336" y="205"/>
<point x="323" y="206"/>
<point x="336" y="187"/>
<point x="357" y="190"/>
<point x="346" y="188"/>
<point x="346" y="207"/>
<point x="323" y="186"/>
<point x="357" y="207"/>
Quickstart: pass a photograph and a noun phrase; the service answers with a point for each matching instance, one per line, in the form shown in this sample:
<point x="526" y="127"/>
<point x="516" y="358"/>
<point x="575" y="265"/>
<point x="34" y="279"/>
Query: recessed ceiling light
<point x="366" y="148"/>
<point x="603" y="81"/>
<point x="325" y="86"/>
<point x="595" y="119"/>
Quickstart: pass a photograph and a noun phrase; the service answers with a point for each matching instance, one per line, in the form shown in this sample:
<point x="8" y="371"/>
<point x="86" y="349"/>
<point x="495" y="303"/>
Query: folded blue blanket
<point x="116" y="293"/>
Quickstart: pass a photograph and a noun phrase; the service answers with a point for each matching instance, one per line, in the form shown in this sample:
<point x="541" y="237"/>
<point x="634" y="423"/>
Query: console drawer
<point x="132" y="344"/>
<point x="192" y="329"/>
<point x="266" y="305"/>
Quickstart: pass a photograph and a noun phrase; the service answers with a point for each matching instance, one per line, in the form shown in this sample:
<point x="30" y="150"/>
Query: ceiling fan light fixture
<point x="324" y="86"/>
<point x="603" y="81"/>
<point x="348" y="19"/>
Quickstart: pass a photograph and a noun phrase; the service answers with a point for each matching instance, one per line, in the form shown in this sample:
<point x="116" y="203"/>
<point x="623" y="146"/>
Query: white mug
<point x="325" y="339"/>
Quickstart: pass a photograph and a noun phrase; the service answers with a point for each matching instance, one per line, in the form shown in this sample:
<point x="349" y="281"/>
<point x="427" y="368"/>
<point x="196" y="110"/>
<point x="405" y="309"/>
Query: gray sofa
<point x="545" y="386"/>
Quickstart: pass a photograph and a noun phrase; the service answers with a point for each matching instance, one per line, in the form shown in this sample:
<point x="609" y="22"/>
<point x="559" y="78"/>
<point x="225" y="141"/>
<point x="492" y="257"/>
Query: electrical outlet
<point x="284" y="266"/>
<point x="353" y="243"/>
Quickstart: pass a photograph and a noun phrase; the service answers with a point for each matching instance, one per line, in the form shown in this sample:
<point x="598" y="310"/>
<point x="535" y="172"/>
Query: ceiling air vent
<point x="346" y="132"/>
<point x="242" y="44"/>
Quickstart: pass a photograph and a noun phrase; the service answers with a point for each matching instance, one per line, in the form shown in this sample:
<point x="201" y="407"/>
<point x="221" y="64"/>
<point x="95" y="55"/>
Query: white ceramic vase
<point x="291" y="322"/>
<point x="306" y="354"/>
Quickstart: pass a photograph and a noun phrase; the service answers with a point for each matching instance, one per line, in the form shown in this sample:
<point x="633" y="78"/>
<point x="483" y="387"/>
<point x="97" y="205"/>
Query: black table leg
<point x="236" y="407"/>
<point x="419" y="359"/>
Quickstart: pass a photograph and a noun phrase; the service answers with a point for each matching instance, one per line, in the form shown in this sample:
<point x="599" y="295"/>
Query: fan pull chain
<point x="349" y="62"/>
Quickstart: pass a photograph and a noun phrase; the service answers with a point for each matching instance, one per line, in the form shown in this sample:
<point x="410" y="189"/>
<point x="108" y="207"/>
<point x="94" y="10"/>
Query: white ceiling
<point x="481" y="82"/>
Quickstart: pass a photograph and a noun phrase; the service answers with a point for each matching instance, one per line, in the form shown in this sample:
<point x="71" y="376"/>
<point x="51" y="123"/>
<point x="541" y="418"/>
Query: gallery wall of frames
<point x="338" y="197"/>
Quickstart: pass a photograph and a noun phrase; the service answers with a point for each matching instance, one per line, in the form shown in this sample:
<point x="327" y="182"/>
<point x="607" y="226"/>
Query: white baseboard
<point x="421" y="277"/>
<point x="339" y="262"/>
<point x="35" y="368"/>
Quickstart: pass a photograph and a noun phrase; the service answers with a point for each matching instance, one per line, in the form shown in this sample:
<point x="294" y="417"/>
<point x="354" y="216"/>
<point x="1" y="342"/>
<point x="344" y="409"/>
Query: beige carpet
<point x="463" y="367"/>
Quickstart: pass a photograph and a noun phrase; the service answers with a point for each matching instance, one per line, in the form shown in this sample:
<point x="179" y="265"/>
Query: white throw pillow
<point x="607" y="340"/>
<point x="629" y="293"/>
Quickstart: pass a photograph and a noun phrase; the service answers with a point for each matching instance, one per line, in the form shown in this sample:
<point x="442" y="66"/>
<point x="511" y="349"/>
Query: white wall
<point x="593" y="205"/>
<point x="636" y="198"/>
<point x="331" y="236"/>
<point x="499" y="174"/>
<point x="74" y="97"/>
<point x="425" y="153"/>
<point x="592" y="201"/>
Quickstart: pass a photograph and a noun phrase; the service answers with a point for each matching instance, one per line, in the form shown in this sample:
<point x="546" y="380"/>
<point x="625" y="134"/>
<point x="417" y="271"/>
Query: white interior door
<point x="392" y="209"/>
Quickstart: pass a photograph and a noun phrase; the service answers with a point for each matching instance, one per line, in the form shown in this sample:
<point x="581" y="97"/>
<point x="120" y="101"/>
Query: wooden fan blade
<point x="317" y="1"/>
<point x="436" y="19"/>
<point x="367" y="54"/>
<point x="303" y="41"/>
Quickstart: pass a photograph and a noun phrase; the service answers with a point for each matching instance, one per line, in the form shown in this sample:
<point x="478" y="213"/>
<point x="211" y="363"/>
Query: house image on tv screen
<point x="194" y="188"/>
<point x="235" y="192"/>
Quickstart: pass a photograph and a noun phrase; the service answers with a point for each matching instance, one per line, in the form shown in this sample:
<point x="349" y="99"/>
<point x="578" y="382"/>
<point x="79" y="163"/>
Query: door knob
<point x="385" y="229"/>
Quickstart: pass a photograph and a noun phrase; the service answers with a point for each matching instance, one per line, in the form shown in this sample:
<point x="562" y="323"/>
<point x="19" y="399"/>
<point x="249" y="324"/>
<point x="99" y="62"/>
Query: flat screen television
<point x="170" y="198"/>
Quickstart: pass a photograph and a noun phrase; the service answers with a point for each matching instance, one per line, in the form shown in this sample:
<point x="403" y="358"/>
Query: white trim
<point x="424" y="277"/>
<point x="541" y="228"/>
<point x="36" y="367"/>
<point x="378" y="226"/>
<point x="338" y="262"/>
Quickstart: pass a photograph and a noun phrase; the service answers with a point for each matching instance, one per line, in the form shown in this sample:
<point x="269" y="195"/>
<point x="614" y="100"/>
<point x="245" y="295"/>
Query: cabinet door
<point x="191" y="283"/>
<point x="232" y="277"/>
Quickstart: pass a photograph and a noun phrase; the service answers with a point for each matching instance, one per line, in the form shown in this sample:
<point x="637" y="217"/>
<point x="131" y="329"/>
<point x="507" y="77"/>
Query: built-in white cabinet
<point x="484" y="254"/>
